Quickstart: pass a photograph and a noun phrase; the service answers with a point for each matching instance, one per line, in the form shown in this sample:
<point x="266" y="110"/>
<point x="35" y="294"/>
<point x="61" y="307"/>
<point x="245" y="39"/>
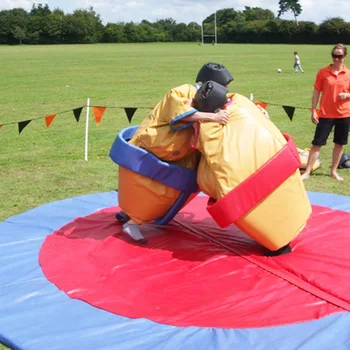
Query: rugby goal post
<point x="215" y="40"/>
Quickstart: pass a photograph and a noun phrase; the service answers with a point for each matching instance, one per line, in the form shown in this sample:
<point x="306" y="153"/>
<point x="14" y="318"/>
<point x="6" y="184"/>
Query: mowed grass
<point x="43" y="165"/>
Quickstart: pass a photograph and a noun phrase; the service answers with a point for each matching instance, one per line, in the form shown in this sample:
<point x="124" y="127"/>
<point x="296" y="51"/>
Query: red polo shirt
<point x="330" y="85"/>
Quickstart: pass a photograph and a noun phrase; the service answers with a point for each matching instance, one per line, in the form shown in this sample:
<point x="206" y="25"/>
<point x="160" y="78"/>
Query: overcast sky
<point x="185" y="11"/>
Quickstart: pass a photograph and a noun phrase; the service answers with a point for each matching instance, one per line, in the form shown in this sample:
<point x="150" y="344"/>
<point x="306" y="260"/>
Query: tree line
<point x="252" y="25"/>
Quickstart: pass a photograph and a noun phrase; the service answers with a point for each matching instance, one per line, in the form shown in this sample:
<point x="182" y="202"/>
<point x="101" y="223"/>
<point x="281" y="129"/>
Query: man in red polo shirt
<point x="333" y="82"/>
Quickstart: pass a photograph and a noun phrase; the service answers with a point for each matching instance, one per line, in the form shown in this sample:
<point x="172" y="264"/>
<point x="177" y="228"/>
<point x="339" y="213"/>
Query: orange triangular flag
<point x="261" y="104"/>
<point x="316" y="110"/>
<point x="49" y="119"/>
<point x="98" y="112"/>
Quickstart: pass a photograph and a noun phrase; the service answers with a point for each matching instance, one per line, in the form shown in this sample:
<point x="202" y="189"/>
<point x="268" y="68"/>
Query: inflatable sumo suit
<point x="157" y="164"/>
<point x="252" y="172"/>
<point x="157" y="149"/>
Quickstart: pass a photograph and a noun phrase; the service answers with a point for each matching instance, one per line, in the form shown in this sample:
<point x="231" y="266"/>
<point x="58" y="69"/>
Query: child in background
<point x="297" y="64"/>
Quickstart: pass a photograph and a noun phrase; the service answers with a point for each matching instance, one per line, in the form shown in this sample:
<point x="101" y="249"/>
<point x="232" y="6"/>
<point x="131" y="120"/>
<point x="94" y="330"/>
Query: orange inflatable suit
<point x="149" y="196"/>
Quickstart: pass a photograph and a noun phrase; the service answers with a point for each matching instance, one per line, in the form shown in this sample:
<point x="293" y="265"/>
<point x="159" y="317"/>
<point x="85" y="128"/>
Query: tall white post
<point x="202" y="33"/>
<point x="216" y="41"/>
<point x="87" y="128"/>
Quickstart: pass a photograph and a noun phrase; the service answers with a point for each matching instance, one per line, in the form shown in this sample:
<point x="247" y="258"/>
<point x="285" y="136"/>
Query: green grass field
<point x="43" y="165"/>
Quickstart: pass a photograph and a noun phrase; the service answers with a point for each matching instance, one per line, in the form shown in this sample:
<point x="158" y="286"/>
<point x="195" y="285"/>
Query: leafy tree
<point x="54" y="26"/>
<point x="114" y="33"/>
<point x="166" y="29"/>
<point x="131" y="32"/>
<point x="146" y="31"/>
<point x="82" y="27"/>
<point x="229" y="32"/>
<point x="38" y="24"/>
<point x="13" y="26"/>
<point x="182" y="33"/>
<point x="194" y="30"/>
<point x="287" y="31"/>
<point x="19" y="34"/>
<point x="5" y="25"/>
<point x="257" y="13"/>
<point x="306" y="33"/>
<point x="289" y="5"/>
<point x="271" y="31"/>
<point x="40" y="10"/>
<point x="333" y="30"/>
<point x="223" y="16"/>
<point x="19" y="22"/>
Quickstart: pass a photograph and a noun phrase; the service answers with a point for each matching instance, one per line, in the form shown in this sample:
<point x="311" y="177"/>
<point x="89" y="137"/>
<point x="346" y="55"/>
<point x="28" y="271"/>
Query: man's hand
<point x="221" y="117"/>
<point x="314" y="117"/>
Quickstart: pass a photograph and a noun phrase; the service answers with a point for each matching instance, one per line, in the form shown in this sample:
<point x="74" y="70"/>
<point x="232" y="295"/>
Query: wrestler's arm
<point x="221" y="117"/>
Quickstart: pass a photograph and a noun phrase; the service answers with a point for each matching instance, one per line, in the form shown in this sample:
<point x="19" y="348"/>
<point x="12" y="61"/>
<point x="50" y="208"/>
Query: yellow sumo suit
<point x="252" y="171"/>
<point x="163" y="135"/>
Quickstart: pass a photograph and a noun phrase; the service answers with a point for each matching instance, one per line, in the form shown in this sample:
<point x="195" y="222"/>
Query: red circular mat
<point x="192" y="273"/>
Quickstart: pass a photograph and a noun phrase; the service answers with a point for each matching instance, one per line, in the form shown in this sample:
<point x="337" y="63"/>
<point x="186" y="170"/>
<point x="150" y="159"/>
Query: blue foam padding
<point x="145" y="163"/>
<point x="34" y="314"/>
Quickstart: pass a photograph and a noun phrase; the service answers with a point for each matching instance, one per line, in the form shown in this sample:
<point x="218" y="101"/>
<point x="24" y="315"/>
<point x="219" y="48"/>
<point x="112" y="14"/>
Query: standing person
<point x="333" y="82"/>
<point x="297" y="64"/>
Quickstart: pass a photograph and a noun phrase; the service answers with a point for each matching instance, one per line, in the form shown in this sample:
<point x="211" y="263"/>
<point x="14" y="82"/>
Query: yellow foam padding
<point x="233" y="152"/>
<point x="154" y="133"/>
<point x="304" y="156"/>
<point x="144" y="199"/>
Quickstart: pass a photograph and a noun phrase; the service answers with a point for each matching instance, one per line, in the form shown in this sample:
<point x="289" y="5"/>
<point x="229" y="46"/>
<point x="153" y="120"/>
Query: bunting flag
<point x="77" y="112"/>
<point x="22" y="125"/>
<point x="49" y="119"/>
<point x="290" y="111"/>
<point x="261" y="104"/>
<point x="130" y="111"/>
<point x="98" y="112"/>
<point x="316" y="110"/>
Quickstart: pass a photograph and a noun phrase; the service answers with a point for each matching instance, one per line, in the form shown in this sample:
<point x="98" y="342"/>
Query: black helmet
<point x="216" y="72"/>
<point x="344" y="161"/>
<point x="210" y="96"/>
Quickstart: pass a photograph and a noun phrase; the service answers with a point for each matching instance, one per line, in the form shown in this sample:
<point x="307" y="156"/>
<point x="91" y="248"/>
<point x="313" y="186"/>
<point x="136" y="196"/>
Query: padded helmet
<point x="210" y="96"/>
<point x="215" y="72"/>
<point x="344" y="161"/>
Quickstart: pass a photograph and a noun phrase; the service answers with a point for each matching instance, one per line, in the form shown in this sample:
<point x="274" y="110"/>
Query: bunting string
<point x="99" y="111"/>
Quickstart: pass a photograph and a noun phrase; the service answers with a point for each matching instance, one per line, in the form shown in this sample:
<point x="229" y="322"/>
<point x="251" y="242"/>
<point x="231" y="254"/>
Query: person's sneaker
<point x="122" y="217"/>
<point x="133" y="231"/>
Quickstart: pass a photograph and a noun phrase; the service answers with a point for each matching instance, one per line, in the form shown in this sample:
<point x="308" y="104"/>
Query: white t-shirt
<point x="297" y="59"/>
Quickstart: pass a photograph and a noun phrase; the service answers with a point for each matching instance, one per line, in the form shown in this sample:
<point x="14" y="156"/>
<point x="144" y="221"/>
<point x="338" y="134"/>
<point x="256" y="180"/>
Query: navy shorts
<point x="324" y="128"/>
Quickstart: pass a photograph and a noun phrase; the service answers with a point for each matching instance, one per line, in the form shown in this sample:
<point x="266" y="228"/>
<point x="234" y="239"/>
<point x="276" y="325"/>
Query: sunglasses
<point x="340" y="57"/>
